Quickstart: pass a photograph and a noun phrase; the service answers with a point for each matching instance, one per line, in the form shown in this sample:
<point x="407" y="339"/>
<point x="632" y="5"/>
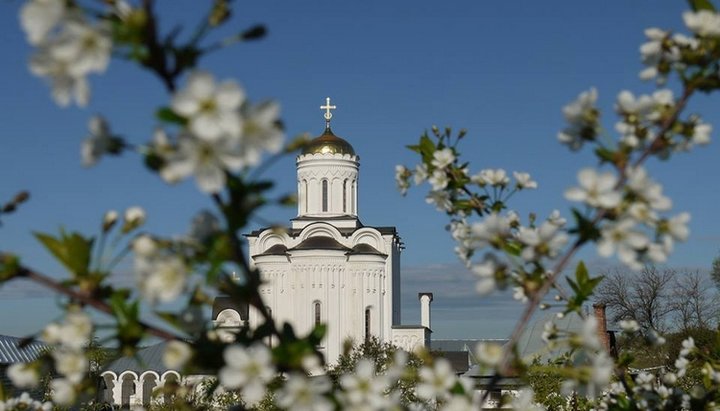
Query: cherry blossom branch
<point x="536" y="297"/>
<point x="85" y="298"/>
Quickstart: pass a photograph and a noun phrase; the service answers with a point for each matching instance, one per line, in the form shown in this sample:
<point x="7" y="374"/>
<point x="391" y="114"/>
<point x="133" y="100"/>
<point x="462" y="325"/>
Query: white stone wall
<point x="344" y="285"/>
<point x="409" y="339"/>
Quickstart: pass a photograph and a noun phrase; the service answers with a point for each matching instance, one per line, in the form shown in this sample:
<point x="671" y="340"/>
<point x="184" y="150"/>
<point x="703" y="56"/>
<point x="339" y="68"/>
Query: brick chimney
<point x="602" y="331"/>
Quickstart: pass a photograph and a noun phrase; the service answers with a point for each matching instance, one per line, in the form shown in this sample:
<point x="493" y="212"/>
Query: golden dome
<point x="328" y="143"/>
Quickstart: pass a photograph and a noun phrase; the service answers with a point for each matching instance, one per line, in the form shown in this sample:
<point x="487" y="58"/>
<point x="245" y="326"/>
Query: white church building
<point x="328" y="267"/>
<point x="325" y="268"/>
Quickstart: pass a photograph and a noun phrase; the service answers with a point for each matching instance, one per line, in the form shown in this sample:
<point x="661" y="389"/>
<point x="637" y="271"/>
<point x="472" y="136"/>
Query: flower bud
<point x="134" y="218"/>
<point x="109" y="220"/>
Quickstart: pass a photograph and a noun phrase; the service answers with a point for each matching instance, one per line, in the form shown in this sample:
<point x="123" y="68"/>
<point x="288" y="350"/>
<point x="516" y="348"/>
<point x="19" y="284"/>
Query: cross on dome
<point x="328" y="115"/>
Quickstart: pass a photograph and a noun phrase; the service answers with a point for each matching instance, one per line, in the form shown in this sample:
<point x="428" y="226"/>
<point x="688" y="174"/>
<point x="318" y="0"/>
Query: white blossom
<point x="546" y="240"/>
<point x="701" y="133"/>
<point x="519" y="294"/>
<point x="681" y="365"/>
<point x="489" y="354"/>
<point x="703" y="22"/>
<point x="176" y="354"/>
<point x="524" y="181"/>
<point x="39" y="17"/>
<point x="62" y="391"/>
<point x="443" y="158"/>
<point x="211" y="109"/>
<point x="623" y="238"/>
<point x="435" y="381"/>
<point x="596" y="189"/>
<point x="401" y="178"/>
<point x="160" y="278"/>
<point x="23" y="375"/>
<point x="421" y="173"/>
<point x="438" y="180"/>
<point x="134" y="217"/>
<point x="25" y="403"/>
<point x="364" y="387"/>
<point x="65" y="85"/>
<point x="582" y="118"/>
<point x="249" y="369"/>
<point x="557" y="219"/>
<point x="73" y="332"/>
<point x="493" y="177"/>
<point x="688" y="346"/>
<point x="646" y="189"/>
<point x="72" y="364"/>
<point x="301" y="393"/>
<point x="524" y="401"/>
<point x="490" y="231"/>
<point x="629" y="326"/>
<point x="207" y="160"/>
<point x="439" y="198"/>
<point x="486" y="272"/>
<point x="677" y="226"/>
<point x="260" y="131"/>
<point x="86" y="49"/>
<point x="144" y="246"/>
<point x="99" y="142"/>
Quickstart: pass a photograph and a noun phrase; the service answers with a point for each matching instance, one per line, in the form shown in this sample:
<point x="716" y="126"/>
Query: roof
<point x="363" y="248"/>
<point x="461" y="344"/>
<point x="320" y="242"/>
<point x="277" y="249"/>
<point x="146" y="359"/>
<point x="11" y="351"/>
<point x="347" y="232"/>
<point x="328" y="143"/>
<point x="459" y="360"/>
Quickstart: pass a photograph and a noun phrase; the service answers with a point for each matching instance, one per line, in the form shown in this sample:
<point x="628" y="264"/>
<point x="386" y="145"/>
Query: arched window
<point x="344" y="196"/>
<point x="324" y="195"/>
<point x="367" y="324"/>
<point x="316" y="311"/>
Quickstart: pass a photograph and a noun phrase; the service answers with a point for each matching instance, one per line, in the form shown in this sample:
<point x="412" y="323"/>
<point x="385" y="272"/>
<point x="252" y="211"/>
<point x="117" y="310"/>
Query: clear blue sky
<point x="502" y="70"/>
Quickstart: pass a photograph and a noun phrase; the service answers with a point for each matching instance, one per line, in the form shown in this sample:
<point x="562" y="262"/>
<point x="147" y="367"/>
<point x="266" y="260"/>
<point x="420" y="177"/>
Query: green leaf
<point x="73" y="250"/>
<point x="167" y="115"/>
<point x="698" y="5"/>
<point x="582" y="287"/>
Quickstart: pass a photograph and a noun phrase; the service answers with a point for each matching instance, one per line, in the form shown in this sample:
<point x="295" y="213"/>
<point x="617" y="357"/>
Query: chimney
<point x="425" y="300"/>
<point x="602" y="331"/>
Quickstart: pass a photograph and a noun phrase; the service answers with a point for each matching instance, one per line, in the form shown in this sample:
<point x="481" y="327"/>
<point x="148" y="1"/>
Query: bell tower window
<point x="324" y="195"/>
<point x="344" y="196"/>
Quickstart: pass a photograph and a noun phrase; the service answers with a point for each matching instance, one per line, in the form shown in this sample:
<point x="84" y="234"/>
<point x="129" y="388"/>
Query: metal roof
<point x="11" y="352"/>
<point x="148" y="358"/>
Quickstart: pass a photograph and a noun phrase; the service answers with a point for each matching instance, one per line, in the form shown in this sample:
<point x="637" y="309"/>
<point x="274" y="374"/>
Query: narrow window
<point x="367" y="324"/>
<point x="316" y="308"/>
<point x="269" y="311"/>
<point x="344" y="196"/>
<point x="304" y="196"/>
<point x="324" y="195"/>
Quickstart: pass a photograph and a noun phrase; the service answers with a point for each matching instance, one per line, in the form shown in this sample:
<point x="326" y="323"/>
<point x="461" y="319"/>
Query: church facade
<point x="328" y="267"/>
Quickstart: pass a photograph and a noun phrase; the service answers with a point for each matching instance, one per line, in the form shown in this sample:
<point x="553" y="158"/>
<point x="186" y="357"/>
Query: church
<point x="325" y="268"/>
<point x="328" y="267"/>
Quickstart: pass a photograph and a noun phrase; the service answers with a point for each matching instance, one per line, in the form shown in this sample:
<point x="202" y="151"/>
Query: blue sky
<point x="502" y="70"/>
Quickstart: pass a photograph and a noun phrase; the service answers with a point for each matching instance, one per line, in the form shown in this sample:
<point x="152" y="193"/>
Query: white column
<point x="425" y="300"/>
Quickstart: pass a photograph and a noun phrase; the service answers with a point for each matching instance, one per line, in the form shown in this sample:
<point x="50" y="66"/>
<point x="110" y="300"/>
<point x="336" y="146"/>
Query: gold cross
<point x="328" y="115"/>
